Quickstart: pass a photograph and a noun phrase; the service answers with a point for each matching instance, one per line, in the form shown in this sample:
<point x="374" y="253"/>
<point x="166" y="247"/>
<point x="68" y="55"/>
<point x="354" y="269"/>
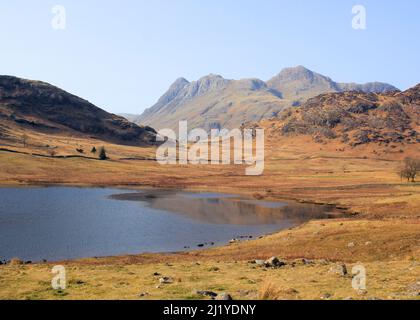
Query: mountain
<point x="215" y="102"/>
<point x="355" y="118"/>
<point x="39" y="106"/>
<point x="300" y="83"/>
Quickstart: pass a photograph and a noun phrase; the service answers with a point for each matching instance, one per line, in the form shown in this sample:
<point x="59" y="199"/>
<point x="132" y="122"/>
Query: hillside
<point x="215" y="102"/>
<point x="355" y="118"/>
<point x="37" y="106"/>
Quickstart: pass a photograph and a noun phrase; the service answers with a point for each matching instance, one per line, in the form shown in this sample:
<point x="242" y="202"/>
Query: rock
<point x="259" y="262"/>
<point x="165" y="280"/>
<point x="214" y="269"/>
<point x="307" y="261"/>
<point x="144" y="294"/>
<point x="233" y="241"/>
<point x="205" y="293"/>
<point x="361" y="292"/>
<point x="368" y="243"/>
<point x="351" y="245"/>
<point x="274" y="262"/>
<point x="156" y="274"/>
<point x="224" y="297"/>
<point x="339" y="269"/>
<point x="326" y="296"/>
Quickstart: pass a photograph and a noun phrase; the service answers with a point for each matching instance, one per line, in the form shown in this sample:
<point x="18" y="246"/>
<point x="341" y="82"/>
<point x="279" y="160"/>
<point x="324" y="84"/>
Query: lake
<point x="58" y="223"/>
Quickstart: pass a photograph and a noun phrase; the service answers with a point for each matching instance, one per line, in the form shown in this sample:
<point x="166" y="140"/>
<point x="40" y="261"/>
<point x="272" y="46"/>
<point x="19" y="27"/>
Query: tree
<point x="410" y="169"/>
<point x="102" y="154"/>
<point x="93" y="150"/>
<point x="24" y="140"/>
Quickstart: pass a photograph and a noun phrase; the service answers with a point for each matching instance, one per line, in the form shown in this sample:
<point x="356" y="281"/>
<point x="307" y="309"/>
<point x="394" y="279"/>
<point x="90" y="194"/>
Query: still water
<point x="57" y="223"/>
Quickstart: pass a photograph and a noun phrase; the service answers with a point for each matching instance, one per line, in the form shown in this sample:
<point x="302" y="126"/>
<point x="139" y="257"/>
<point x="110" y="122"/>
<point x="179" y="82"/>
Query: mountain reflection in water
<point x="223" y="209"/>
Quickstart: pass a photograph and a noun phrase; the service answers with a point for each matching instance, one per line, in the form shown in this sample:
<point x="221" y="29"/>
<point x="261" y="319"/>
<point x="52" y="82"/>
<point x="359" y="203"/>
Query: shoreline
<point x="343" y="212"/>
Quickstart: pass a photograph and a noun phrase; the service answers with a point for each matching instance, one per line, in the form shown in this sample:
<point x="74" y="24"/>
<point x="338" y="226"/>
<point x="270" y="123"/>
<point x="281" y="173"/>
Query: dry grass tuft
<point x="269" y="291"/>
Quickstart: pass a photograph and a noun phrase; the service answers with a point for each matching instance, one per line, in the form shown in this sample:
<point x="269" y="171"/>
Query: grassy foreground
<point x="382" y="232"/>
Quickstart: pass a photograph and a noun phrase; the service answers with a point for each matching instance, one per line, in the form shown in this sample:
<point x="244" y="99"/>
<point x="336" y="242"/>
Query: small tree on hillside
<point x="24" y="140"/>
<point x="93" y="150"/>
<point x="410" y="169"/>
<point x="102" y="154"/>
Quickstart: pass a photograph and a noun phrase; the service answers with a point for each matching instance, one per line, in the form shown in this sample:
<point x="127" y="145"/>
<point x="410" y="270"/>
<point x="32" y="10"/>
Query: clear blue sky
<point x="122" y="55"/>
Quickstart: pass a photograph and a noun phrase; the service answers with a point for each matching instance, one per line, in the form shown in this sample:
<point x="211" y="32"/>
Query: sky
<point x="123" y="55"/>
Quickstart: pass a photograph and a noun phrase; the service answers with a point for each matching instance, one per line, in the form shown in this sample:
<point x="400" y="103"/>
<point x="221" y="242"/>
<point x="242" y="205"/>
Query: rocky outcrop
<point x="356" y="118"/>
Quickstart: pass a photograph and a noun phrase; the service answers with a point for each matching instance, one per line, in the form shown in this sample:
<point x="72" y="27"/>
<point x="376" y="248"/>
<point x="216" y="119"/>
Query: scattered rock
<point x="340" y="269"/>
<point x="259" y="262"/>
<point x="274" y="262"/>
<point x="166" y="280"/>
<point x="223" y="297"/>
<point x="307" y="261"/>
<point x="361" y="292"/>
<point x="205" y="293"/>
<point x="326" y="296"/>
<point x="214" y="269"/>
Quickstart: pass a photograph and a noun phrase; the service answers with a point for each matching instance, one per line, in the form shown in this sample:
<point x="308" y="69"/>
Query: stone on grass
<point x="274" y="262"/>
<point x="339" y="269"/>
<point x="206" y="293"/>
<point x="166" y="280"/>
<point x="224" y="297"/>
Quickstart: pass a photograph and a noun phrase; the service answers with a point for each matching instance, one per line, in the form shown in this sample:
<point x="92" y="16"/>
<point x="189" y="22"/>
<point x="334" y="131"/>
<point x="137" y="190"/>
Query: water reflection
<point x="229" y="209"/>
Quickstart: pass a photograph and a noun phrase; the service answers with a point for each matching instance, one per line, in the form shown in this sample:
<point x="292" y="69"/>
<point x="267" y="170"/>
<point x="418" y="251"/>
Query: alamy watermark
<point x="59" y="20"/>
<point x="220" y="146"/>
<point x="359" y="19"/>
<point x="359" y="277"/>
<point x="58" y="282"/>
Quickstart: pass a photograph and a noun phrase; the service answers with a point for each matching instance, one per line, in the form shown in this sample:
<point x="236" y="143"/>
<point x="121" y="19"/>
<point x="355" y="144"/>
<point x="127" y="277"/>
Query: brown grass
<point x="385" y="231"/>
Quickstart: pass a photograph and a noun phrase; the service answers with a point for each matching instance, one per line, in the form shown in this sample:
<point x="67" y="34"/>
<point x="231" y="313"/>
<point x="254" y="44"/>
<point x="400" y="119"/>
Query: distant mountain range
<point x="215" y="102"/>
<point x="39" y="106"/>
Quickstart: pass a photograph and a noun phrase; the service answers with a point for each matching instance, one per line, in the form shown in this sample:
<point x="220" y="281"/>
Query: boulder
<point x="165" y="280"/>
<point x="274" y="262"/>
<point x="205" y="293"/>
<point x="224" y="297"/>
<point x="339" y="269"/>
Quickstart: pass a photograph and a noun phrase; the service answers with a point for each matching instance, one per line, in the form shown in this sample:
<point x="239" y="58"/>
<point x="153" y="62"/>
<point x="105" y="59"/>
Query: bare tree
<point x="410" y="169"/>
<point x="24" y="140"/>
